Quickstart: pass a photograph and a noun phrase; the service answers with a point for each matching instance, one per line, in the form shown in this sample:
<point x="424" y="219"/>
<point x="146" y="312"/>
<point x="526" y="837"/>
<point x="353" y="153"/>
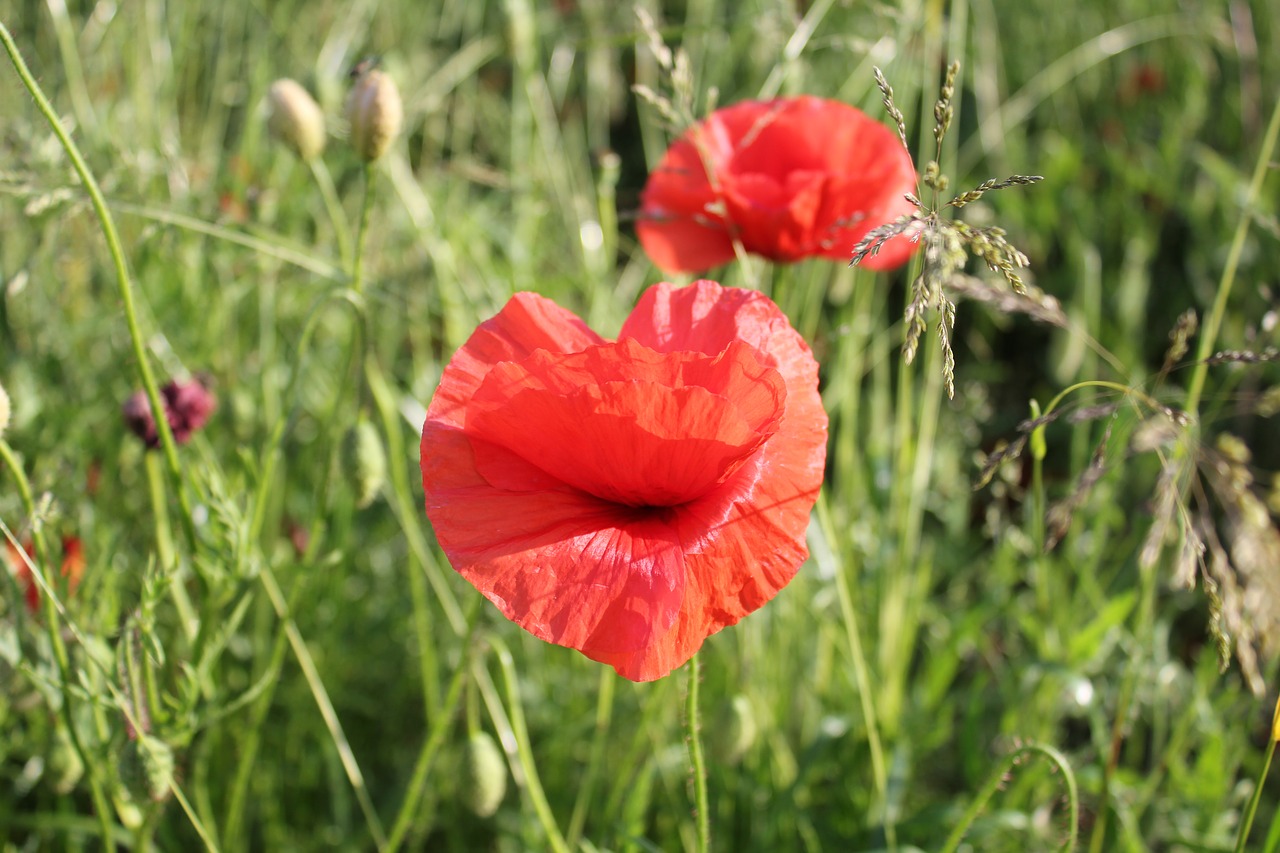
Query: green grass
<point x="918" y="678"/>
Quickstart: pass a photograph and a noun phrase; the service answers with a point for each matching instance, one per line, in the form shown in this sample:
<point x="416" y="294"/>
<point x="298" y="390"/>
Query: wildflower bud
<point x="295" y="118"/>
<point x="734" y="732"/>
<point x="63" y="766"/>
<point x="187" y="407"/>
<point x="375" y="113"/>
<point x="368" y="461"/>
<point x="4" y="411"/>
<point x="145" y="765"/>
<point x="484" y="775"/>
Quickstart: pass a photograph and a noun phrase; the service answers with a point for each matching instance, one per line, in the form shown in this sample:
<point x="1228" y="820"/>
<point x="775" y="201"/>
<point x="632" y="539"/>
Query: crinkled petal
<point x="569" y="568"/>
<point x="745" y="541"/>
<point x="527" y="323"/>
<point x="630" y="425"/>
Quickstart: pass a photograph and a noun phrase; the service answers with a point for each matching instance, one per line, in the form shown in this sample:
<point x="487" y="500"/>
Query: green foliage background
<point x="924" y="641"/>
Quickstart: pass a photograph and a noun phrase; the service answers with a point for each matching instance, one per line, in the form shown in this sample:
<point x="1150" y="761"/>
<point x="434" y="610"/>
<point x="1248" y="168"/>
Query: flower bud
<point x="368" y="461"/>
<point x="375" y="113"/>
<point x="295" y="118"/>
<point x="734" y="732"/>
<point x="484" y="775"/>
<point x="63" y="765"/>
<point x="4" y="411"/>
<point x="145" y="766"/>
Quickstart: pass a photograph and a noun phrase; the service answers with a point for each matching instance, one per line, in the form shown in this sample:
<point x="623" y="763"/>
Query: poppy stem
<point x="112" y="237"/>
<point x="698" y="766"/>
<point x="38" y="576"/>
<point x="1251" y="810"/>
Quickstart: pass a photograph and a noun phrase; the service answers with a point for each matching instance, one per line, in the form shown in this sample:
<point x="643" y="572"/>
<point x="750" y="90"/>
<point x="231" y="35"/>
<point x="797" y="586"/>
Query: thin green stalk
<point x="1252" y="810"/>
<point x="1000" y="776"/>
<point x="555" y="840"/>
<point x="587" y="784"/>
<point x="362" y="230"/>
<point x="100" y="805"/>
<point x="1213" y="322"/>
<point x="697" y="765"/>
<point x="440" y="725"/>
<point x="333" y="208"/>
<point x="145" y="373"/>
<point x="861" y="672"/>
<point x="349" y="764"/>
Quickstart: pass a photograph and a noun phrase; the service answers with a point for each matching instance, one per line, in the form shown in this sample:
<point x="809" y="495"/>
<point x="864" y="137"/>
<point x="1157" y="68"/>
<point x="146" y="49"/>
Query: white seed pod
<point x="295" y="118"/>
<point x="484" y="775"/>
<point x="375" y="113"/>
<point x="4" y="411"/>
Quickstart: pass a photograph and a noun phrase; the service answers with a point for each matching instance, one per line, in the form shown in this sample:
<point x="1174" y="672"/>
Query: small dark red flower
<point x="72" y="568"/>
<point x="187" y="405"/>
<point x="789" y="178"/>
<point x="628" y="499"/>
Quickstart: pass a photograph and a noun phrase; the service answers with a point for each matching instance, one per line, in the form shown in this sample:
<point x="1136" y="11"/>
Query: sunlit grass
<point x="315" y="669"/>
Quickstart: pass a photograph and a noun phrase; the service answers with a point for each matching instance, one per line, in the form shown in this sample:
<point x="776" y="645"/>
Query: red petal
<point x="566" y="567"/>
<point x="527" y="323"/>
<point x="629" y="425"/>
<point x="745" y="541"/>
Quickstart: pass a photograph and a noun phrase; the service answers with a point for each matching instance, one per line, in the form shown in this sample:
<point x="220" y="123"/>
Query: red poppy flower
<point x="72" y="568"/>
<point x="628" y="499"/>
<point x="789" y="178"/>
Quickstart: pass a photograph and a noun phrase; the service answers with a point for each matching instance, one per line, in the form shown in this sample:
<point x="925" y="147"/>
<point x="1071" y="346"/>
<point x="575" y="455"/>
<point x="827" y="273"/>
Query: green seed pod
<point x="368" y="461"/>
<point x="145" y="765"/>
<point x="484" y="775"/>
<point x="295" y="118"/>
<point x="4" y="411"/>
<point x="63" y="765"/>
<point x="375" y="113"/>
<point x="734" y="730"/>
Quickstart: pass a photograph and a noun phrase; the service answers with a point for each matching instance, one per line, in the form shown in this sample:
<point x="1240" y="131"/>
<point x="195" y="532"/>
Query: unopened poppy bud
<point x="734" y="732"/>
<point x="368" y="461"/>
<point x="484" y="775"/>
<point x="145" y="765"/>
<point x="375" y="112"/>
<point x="295" y="118"/>
<point x="64" y="767"/>
<point x="187" y="407"/>
<point x="4" y="411"/>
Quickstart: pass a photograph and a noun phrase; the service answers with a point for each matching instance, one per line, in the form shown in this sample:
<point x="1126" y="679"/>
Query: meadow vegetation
<point x="1040" y="612"/>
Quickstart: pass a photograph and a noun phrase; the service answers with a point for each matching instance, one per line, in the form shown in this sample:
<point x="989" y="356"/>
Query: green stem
<point x="145" y="373"/>
<point x="431" y="746"/>
<point x="333" y="208"/>
<point x="1252" y="810"/>
<point x="1212" y="323"/>
<point x="538" y="798"/>
<point x="697" y="765"/>
<point x="362" y="230"/>
<point x="999" y="778"/>
<point x="38" y="575"/>
<point x="586" y="787"/>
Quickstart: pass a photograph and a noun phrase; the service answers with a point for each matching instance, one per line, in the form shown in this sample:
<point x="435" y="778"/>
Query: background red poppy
<point x="790" y="178"/>
<point x="628" y="499"/>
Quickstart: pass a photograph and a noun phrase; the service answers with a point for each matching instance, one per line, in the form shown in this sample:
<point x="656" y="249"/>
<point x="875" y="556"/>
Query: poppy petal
<point x="627" y="424"/>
